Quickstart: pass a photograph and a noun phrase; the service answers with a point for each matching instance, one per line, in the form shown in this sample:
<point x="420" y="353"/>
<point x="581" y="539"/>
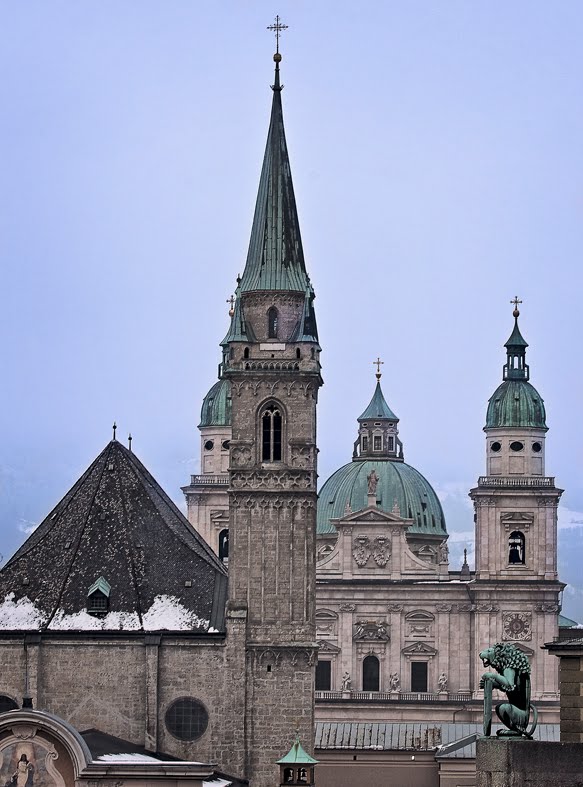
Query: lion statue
<point x="512" y="676"/>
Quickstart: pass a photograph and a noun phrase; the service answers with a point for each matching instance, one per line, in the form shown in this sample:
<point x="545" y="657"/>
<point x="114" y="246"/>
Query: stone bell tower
<point x="517" y="587"/>
<point x="271" y="360"/>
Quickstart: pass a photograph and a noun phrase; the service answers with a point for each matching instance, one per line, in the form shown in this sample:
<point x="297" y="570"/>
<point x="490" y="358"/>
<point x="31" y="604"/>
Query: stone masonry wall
<point x="571" y="699"/>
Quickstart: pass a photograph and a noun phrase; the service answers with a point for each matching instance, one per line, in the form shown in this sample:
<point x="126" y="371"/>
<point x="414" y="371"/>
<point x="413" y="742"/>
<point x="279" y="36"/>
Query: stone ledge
<point x="522" y="763"/>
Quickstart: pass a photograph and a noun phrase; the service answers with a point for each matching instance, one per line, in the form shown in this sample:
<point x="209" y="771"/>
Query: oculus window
<point x="186" y="719"/>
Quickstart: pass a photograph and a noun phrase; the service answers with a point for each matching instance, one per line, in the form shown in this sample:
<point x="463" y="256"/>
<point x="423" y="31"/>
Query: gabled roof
<point x="115" y="525"/>
<point x="275" y="260"/>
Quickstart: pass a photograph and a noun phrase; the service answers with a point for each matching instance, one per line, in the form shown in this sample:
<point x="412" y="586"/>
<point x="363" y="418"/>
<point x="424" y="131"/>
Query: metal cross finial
<point x="515" y="301"/>
<point x="130" y="441"/>
<point x="231" y="300"/>
<point x="277" y="27"/>
<point x="114" y="429"/>
<point x="378" y="363"/>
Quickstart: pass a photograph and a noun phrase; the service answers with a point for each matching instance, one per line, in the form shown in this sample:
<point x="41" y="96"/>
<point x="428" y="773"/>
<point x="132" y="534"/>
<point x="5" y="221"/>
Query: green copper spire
<point x="516" y="367"/>
<point x="275" y="260"/>
<point x="378" y="407"/>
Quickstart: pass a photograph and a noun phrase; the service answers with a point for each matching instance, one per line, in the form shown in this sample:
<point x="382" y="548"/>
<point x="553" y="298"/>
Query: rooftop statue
<point x="512" y="676"/>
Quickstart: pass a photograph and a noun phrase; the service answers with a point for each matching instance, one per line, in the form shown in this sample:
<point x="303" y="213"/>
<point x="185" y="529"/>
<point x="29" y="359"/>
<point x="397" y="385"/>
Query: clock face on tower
<point x="517" y="626"/>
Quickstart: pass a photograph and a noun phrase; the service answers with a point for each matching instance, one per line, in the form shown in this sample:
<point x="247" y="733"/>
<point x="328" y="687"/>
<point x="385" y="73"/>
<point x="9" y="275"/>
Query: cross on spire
<point x="114" y="427"/>
<point x="277" y="27"/>
<point x="231" y="301"/>
<point x="378" y="363"/>
<point x="515" y="301"/>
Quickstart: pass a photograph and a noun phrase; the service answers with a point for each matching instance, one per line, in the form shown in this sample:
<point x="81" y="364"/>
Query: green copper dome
<point x="516" y="403"/>
<point x="216" y="405"/>
<point x="398" y="482"/>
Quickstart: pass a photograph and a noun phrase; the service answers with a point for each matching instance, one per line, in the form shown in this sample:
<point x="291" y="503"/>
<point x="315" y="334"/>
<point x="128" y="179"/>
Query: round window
<point x="187" y="719"/>
<point x="516" y="445"/>
<point x="537" y="448"/>
<point x="496" y="446"/>
<point x="226" y="445"/>
<point x="209" y="445"/>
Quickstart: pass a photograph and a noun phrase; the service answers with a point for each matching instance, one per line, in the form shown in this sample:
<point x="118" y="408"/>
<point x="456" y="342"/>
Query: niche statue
<point x="512" y="676"/>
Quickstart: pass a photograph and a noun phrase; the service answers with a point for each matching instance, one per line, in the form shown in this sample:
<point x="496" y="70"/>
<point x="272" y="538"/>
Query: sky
<point x="436" y="151"/>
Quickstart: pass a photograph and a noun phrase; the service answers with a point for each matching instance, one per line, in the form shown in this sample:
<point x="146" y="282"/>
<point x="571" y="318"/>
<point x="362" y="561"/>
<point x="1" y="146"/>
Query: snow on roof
<point x="166" y="612"/>
<point x="128" y="757"/>
<point x="216" y="783"/>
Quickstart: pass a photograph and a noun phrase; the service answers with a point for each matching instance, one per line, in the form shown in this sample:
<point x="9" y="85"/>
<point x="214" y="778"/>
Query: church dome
<point x="398" y="482"/>
<point x="516" y="403"/>
<point x="216" y="405"/>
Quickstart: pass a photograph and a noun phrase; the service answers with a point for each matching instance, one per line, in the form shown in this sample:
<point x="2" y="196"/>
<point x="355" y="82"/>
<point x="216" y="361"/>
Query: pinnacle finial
<point x="231" y="301"/>
<point x="114" y="427"/>
<point x="516" y="301"/>
<point x="277" y="27"/>
<point x="130" y="441"/>
<point x="378" y="363"/>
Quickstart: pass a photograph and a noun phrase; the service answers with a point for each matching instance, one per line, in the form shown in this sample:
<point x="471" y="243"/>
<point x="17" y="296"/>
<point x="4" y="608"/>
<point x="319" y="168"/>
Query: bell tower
<point x="515" y="502"/>
<point x="271" y="358"/>
<point x="517" y="591"/>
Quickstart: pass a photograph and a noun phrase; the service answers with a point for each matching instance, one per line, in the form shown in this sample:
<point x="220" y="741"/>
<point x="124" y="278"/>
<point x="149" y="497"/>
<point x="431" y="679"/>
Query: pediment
<point x="370" y="514"/>
<point x="523" y="649"/>
<point x="420" y="615"/>
<point x="327" y="647"/>
<point x="517" y="517"/>
<point x="418" y="649"/>
<point x="326" y="614"/>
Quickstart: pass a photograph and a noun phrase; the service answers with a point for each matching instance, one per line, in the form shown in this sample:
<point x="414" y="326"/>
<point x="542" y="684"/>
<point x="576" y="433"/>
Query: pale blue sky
<point x="437" y="154"/>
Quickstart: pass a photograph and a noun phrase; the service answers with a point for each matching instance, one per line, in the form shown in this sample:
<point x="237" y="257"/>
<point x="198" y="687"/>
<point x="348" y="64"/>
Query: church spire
<point x="516" y="367"/>
<point x="275" y="260"/>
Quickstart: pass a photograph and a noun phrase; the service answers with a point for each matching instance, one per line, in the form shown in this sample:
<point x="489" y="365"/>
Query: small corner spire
<point x="114" y="427"/>
<point x="378" y="363"/>
<point x="130" y="441"/>
<point x="277" y="27"/>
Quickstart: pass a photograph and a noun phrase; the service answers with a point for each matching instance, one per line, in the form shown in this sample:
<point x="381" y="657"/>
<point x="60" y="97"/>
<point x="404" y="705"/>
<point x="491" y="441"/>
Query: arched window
<point x="370" y="674"/>
<point x="288" y="776"/>
<point x="224" y="545"/>
<point x="516" y="549"/>
<point x="272" y="321"/>
<point x="271" y="427"/>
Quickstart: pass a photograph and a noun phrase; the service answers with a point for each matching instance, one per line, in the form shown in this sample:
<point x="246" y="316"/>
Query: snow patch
<point x="216" y="783"/>
<point x="129" y="757"/>
<point x="168" y="613"/>
<point x="21" y="614"/>
<point x="83" y="621"/>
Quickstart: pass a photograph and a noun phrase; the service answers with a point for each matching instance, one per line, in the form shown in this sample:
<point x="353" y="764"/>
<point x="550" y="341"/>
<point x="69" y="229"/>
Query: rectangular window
<point x="418" y="676"/>
<point x="391" y="443"/>
<point x="323" y="675"/>
<point x="365" y="443"/>
<point x="377" y="443"/>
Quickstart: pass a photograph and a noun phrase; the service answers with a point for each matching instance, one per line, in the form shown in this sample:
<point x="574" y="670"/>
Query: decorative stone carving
<point x="442" y="682"/>
<point x="381" y="551"/>
<point x="301" y="455"/>
<point x="394" y="682"/>
<point x="324" y="551"/>
<point x="517" y="520"/>
<point x="373" y="481"/>
<point x="241" y="455"/>
<point x="465" y="607"/>
<point x="444" y="607"/>
<point x="361" y="551"/>
<point x="443" y="552"/>
<point x="487" y="608"/>
<point x="347" y="607"/>
<point x="347" y="508"/>
<point x="370" y="630"/>
<point x="346" y="682"/>
<point x="547" y="606"/>
<point x="24" y="731"/>
<point x="280" y="479"/>
<point x="326" y="622"/>
<point x="517" y="626"/>
<point x="394" y="607"/>
<point x="324" y="646"/>
<point x="419" y="649"/>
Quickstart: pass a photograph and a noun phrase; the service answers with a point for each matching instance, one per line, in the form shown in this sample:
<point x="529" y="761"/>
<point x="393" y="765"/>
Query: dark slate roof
<point x="118" y="524"/>
<point x="275" y="260"/>
<point x="100" y="743"/>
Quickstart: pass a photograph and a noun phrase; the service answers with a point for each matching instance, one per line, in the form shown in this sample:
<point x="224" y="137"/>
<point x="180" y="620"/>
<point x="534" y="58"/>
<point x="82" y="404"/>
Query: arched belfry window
<point x="370" y="674"/>
<point x="224" y="545"/>
<point x="272" y="323"/>
<point x="271" y="430"/>
<point x="516" y="548"/>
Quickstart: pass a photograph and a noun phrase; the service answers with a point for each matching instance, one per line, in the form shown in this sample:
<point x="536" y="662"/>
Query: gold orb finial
<point x="277" y="57"/>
